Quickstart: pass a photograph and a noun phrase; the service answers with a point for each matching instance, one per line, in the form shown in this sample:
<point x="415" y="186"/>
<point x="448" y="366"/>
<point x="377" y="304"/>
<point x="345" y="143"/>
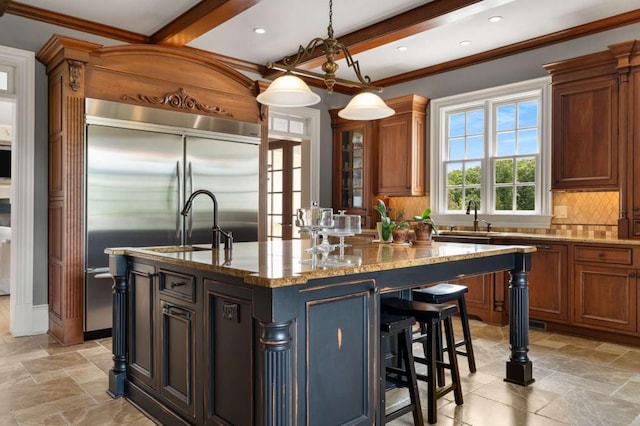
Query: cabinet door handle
<point x="601" y="254"/>
<point x="176" y="312"/>
<point x="543" y="247"/>
<point x="177" y="284"/>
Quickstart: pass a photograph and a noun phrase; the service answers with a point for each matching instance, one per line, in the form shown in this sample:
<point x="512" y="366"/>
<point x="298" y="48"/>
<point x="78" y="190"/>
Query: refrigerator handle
<point x="190" y="192"/>
<point x="179" y="209"/>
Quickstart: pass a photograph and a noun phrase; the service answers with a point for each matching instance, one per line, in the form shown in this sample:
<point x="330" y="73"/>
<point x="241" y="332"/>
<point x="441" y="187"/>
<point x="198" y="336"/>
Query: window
<point x="491" y="151"/>
<point x="6" y="79"/>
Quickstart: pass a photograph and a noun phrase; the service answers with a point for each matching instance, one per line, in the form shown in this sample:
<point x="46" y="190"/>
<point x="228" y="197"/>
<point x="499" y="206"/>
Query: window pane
<point x="528" y="114"/>
<point x="504" y="171"/>
<point x="276" y="207"/>
<point x="357" y="198"/>
<point x="296" y="127"/>
<point x="475" y="147"/>
<point x="297" y="156"/>
<point x="4" y="80"/>
<point x="297" y="179"/>
<point x="357" y="158"/>
<point x="456" y="149"/>
<point x="475" y="122"/>
<point x="456" y="125"/>
<point x="276" y="229"/>
<point x="356" y="138"/>
<point x="506" y="119"/>
<point x="454" y="174"/>
<point x="506" y="143"/>
<point x="472" y="194"/>
<point x="473" y="173"/>
<point x="454" y="199"/>
<point x="280" y="124"/>
<point x="526" y="170"/>
<point x="504" y="198"/>
<point x="528" y="141"/>
<point x="297" y="201"/>
<point x="276" y="181"/>
<point x="357" y="178"/>
<point x="276" y="163"/>
<point x="526" y="198"/>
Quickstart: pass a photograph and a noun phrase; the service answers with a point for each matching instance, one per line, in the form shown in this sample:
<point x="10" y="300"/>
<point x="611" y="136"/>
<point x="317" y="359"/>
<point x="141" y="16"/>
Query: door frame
<point x="312" y="118"/>
<point x="26" y="319"/>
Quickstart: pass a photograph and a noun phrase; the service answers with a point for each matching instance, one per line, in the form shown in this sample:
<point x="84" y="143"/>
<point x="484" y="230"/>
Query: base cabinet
<point x="178" y="357"/>
<point x="606" y="297"/>
<point x="141" y="361"/>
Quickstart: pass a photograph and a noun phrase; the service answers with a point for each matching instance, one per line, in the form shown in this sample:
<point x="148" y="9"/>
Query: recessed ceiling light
<point x="259" y="30"/>
<point x="402" y="48"/>
<point x="495" y="19"/>
<point x="465" y="42"/>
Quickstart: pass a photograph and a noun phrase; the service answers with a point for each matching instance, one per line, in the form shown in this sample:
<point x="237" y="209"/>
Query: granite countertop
<point x="279" y="263"/>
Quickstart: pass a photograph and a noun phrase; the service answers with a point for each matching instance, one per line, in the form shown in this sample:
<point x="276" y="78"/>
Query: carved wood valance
<point x="159" y="76"/>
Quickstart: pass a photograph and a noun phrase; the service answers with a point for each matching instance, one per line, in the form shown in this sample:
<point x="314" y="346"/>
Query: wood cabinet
<point x="353" y="172"/>
<point x="605" y="287"/>
<point x="585" y="123"/>
<point x="178" y="317"/>
<point x="386" y="157"/>
<point x="141" y="362"/>
<point x="402" y="148"/>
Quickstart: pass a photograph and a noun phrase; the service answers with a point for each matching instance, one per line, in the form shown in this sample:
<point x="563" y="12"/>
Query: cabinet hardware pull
<point x="543" y="247"/>
<point x="601" y="254"/>
<point x="177" y="284"/>
<point x="176" y="312"/>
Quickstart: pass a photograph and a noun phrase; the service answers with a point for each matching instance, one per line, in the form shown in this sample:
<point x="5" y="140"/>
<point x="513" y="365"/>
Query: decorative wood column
<point x="519" y="366"/>
<point x="118" y="373"/>
<point x="66" y="67"/>
<point x="275" y="375"/>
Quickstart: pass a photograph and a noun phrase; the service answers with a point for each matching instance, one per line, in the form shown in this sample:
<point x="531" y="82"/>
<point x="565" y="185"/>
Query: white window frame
<point x="487" y="98"/>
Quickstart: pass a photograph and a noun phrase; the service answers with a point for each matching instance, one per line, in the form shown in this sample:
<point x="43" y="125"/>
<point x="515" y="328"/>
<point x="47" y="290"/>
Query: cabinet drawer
<point x="619" y="255"/>
<point x="178" y="285"/>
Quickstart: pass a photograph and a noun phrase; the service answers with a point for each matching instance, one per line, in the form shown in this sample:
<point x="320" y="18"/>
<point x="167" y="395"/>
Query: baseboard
<point x="29" y="320"/>
<point x="40" y="324"/>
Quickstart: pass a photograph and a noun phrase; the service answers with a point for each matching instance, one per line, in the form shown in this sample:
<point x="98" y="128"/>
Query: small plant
<point x="385" y="220"/>
<point x="426" y="218"/>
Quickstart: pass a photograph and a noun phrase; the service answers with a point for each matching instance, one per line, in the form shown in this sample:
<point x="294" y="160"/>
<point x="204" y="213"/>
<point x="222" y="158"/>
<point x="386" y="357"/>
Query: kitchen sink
<point x="473" y="237"/>
<point x="177" y="249"/>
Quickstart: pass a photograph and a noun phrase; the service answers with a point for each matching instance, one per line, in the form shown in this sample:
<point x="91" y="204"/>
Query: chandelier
<point x="289" y="90"/>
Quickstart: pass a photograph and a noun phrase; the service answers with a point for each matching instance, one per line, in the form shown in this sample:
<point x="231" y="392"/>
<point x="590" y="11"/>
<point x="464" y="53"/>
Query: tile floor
<point x="578" y="382"/>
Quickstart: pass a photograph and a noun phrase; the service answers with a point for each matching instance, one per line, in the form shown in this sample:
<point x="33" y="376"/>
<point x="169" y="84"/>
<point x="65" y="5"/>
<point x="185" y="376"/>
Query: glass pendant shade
<point x="366" y="106"/>
<point x="288" y="91"/>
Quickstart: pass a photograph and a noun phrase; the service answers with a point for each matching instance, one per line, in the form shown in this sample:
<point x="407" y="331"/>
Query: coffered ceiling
<point x="432" y="31"/>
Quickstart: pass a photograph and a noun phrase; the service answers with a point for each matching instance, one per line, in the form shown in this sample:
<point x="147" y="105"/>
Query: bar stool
<point x="444" y="293"/>
<point x="404" y="375"/>
<point x="432" y="316"/>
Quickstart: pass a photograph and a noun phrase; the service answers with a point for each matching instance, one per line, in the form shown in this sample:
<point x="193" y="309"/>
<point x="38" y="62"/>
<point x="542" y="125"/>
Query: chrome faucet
<point x="475" y="213"/>
<point x="215" y="230"/>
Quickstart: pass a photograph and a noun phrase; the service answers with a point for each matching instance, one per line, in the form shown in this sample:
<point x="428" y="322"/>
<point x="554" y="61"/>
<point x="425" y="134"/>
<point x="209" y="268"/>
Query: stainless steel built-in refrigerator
<point x="138" y="176"/>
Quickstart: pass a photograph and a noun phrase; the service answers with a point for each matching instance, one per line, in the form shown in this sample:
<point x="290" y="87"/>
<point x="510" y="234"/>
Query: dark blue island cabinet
<point x="266" y="335"/>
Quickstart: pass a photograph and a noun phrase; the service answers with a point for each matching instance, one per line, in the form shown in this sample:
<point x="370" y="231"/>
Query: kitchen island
<point x="263" y="335"/>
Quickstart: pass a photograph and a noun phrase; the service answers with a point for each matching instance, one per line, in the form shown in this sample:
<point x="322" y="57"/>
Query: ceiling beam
<point x="62" y="20"/>
<point x="605" y="24"/>
<point x="3" y="6"/>
<point x="422" y="18"/>
<point x="200" y="19"/>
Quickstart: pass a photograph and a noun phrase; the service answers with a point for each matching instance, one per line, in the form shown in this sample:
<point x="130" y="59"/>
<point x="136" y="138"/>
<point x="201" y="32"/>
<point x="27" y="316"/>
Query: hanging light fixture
<point x="291" y="91"/>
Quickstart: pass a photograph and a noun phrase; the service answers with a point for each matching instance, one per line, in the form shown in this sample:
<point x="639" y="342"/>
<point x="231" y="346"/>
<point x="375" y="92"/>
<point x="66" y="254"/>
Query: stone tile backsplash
<point x="590" y="214"/>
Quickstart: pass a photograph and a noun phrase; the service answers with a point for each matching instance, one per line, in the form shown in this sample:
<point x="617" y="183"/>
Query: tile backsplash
<point x="593" y="214"/>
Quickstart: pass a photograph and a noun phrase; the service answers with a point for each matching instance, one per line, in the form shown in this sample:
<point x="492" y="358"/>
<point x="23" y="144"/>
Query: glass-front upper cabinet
<point x="352" y="159"/>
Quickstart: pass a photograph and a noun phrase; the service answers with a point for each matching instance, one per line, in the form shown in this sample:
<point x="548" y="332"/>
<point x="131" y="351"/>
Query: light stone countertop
<point x="278" y="263"/>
